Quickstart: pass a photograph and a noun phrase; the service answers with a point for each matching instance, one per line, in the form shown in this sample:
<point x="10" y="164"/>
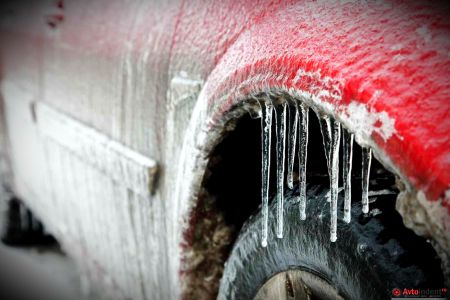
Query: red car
<point x="234" y="149"/>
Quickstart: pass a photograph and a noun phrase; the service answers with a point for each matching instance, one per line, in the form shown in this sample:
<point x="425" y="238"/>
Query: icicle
<point x="331" y="133"/>
<point x="302" y="154"/>
<point x="334" y="176"/>
<point x="347" y="142"/>
<point x="325" y="128"/>
<point x="266" y="136"/>
<point x="280" y="111"/>
<point x="366" y="161"/>
<point x="292" y="140"/>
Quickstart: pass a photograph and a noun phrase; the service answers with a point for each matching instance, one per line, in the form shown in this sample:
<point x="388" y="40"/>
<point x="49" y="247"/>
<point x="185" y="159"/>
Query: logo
<point x="396" y="292"/>
<point x="419" y="293"/>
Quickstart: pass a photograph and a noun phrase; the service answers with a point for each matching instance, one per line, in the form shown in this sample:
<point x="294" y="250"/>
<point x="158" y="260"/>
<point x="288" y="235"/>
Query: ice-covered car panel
<point x="388" y="82"/>
<point x="133" y="72"/>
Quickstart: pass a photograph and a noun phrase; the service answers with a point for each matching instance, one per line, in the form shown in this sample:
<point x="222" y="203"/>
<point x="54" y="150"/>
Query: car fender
<point x="381" y="70"/>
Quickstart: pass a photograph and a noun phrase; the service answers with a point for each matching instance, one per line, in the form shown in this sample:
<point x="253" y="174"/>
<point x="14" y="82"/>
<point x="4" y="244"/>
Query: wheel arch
<point x="368" y="88"/>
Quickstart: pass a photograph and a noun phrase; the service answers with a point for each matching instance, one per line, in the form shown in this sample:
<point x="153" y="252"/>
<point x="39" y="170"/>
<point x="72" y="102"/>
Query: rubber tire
<point x="357" y="265"/>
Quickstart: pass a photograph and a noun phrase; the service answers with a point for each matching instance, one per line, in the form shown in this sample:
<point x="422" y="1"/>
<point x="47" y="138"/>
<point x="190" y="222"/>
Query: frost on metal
<point x="5" y="168"/>
<point x="118" y="162"/>
<point x="182" y="88"/>
<point x="365" y="122"/>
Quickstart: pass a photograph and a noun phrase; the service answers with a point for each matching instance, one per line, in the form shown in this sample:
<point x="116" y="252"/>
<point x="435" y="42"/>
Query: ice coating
<point x="347" y="146"/>
<point x="266" y="136"/>
<point x="302" y="155"/>
<point x="280" y="113"/>
<point x="366" y="162"/>
<point x="292" y="140"/>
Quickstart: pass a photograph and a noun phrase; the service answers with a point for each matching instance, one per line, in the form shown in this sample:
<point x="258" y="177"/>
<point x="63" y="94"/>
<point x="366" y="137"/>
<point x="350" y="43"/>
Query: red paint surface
<point x="393" y="57"/>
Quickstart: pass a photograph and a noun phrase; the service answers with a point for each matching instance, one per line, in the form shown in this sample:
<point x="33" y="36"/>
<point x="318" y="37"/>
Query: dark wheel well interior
<point x="234" y="171"/>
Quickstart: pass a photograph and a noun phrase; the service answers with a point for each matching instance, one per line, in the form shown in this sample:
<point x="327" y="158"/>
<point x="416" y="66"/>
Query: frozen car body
<point x="162" y="80"/>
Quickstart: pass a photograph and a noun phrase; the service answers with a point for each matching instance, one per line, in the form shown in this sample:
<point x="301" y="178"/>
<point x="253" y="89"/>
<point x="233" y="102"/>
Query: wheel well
<point x="234" y="169"/>
<point x="231" y="193"/>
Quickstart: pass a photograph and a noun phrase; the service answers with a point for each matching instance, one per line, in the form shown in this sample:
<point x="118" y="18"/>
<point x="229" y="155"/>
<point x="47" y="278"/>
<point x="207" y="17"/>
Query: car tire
<point x="368" y="261"/>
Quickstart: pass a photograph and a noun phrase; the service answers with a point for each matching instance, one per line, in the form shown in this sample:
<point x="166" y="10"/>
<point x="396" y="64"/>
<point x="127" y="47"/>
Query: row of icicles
<point x="292" y="126"/>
